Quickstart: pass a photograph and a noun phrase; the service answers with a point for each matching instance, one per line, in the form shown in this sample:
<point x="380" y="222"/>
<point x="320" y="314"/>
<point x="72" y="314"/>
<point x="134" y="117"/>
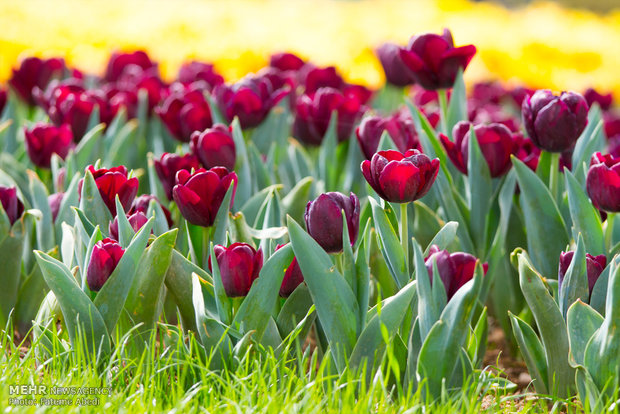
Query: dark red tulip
<point x="112" y="182"/>
<point x="314" y="112"/>
<point x="286" y="62"/>
<point x="484" y="93"/>
<point x="520" y="94"/>
<point x="400" y="127"/>
<point x="603" y="100"/>
<point x="613" y="146"/>
<point x="54" y="201"/>
<point x="43" y="140"/>
<point x="186" y="110"/>
<point x="136" y="220"/>
<point x="292" y="277"/>
<point x="214" y="147"/>
<point x="135" y="79"/>
<point x="35" y="72"/>
<point x="594" y="265"/>
<point x="141" y="204"/>
<point x="555" y="123"/>
<point x="492" y="114"/>
<point x="396" y="72"/>
<point x="400" y="178"/>
<point x="103" y="260"/>
<point x="495" y="141"/>
<point x="611" y="124"/>
<point x="11" y="204"/>
<point x="3" y="99"/>
<point x="324" y="219"/>
<point x="169" y="164"/>
<point x="603" y="182"/>
<point x="119" y="63"/>
<point x="250" y="100"/>
<point x="327" y="77"/>
<point x="434" y="61"/>
<point x="526" y="151"/>
<point x="360" y="92"/>
<point x="455" y="269"/>
<point x="200" y="195"/>
<point x="204" y="73"/>
<point x="239" y="266"/>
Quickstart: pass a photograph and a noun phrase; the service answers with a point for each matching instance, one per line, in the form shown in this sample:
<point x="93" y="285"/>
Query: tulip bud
<point x="119" y="63"/>
<point x="186" y="110"/>
<point x="54" y="201"/>
<point x="199" y="195"/>
<point x="43" y="140"/>
<point x="136" y="220"/>
<point x="324" y="219"/>
<point x="455" y="269"/>
<point x="554" y="123"/>
<point x="112" y="182"/>
<point x="400" y="178"/>
<point x="434" y="61"/>
<point x="168" y="166"/>
<point x="594" y="267"/>
<point x="292" y="277"/>
<point x="34" y="72"/>
<point x="214" y="147"/>
<point x="239" y="266"/>
<point x="11" y="204"/>
<point x="195" y="71"/>
<point x="396" y="72"/>
<point x="103" y="260"/>
<point x="141" y="204"/>
<point x="603" y="182"/>
<point x="494" y="140"/>
<point x="399" y="126"/>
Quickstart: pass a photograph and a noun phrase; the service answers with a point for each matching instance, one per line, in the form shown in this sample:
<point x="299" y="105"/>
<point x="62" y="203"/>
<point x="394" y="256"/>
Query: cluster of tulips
<point x="226" y="173"/>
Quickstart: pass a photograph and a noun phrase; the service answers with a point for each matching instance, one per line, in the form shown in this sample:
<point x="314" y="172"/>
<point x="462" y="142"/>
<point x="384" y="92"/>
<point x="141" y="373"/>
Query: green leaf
<point x="598" y="297"/>
<point x="386" y="142"/>
<point x="222" y="301"/>
<point x="87" y="149"/>
<point x="65" y="212"/>
<point x="294" y="203"/>
<point x="362" y="273"/>
<point x="390" y="244"/>
<point x="429" y="309"/>
<point x="252" y="209"/>
<point x="221" y="219"/>
<point x="79" y="312"/>
<point x="477" y="343"/>
<point x="44" y="226"/>
<point x="329" y="169"/>
<point x="259" y="168"/>
<point x="245" y="188"/>
<point x="348" y="261"/>
<point x="575" y="284"/>
<point x="444" y="237"/>
<point x="545" y="228"/>
<point x="11" y="249"/>
<point x="294" y="310"/>
<point x="92" y="204"/>
<point x="586" y="219"/>
<point x="125" y="231"/>
<point x="533" y="353"/>
<point x="592" y="139"/>
<point x="480" y="191"/>
<point x="582" y="321"/>
<point x="114" y="154"/>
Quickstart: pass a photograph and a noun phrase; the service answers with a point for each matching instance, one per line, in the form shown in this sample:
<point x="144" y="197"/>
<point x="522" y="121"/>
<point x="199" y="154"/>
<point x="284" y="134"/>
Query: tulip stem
<point x="609" y="230"/>
<point x="404" y="237"/>
<point x="206" y="245"/>
<point x="554" y="175"/>
<point x="443" y="109"/>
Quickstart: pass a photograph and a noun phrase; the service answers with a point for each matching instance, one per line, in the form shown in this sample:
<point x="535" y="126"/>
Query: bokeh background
<point x="538" y="44"/>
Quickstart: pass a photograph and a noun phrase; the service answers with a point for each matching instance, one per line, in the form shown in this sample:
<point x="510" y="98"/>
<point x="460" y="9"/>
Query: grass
<point x="171" y="373"/>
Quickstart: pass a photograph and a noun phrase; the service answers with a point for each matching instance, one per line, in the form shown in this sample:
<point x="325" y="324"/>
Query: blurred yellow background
<point x="542" y="45"/>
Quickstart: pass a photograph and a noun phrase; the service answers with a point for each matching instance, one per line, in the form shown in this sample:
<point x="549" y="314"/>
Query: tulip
<point x="119" y="63"/>
<point x="286" y="62"/>
<point x="186" y="110"/>
<point x="204" y="73"/>
<point x="434" y="61"/>
<point x="495" y="141"/>
<point x="400" y="178"/>
<point x="484" y="93"/>
<point x="135" y="79"/>
<point x="103" y="260"/>
<point x="520" y="94"/>
<point x="54" y="201"/>
<point x="594" y="267"/>
<point x="455" y="269"/>
<point x="526" y="151"/>
<point x="136" y="220"/>
<point x="168" y="166"/>
<point x="214" y="147"/>
<point x="43" y="140"/>
<point x="199" y="195"/>
<point x="35" y="72"/>
<point x="396" y="72"/>
<point x="141" y="204"/>
<point x="327" y="77"/>
<point x="3" y="99"/>
<point x="239" y="265"/>
<point x="314" y="113"/>
<point x="11" y="204"/>
<point x="603" y="182"/>
<point x="399" y="126"/>
<point x="292" y="277"/>
<point x="250" y="100"/>
<point x="324" y="219"/>
<point x="112" y="182"/>
<point x="605" y="101"/>
<point x="554" y="123"/>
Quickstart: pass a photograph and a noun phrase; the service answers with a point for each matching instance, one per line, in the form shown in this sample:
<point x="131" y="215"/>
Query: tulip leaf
<point x="69" y="199"/>
<point x="245" y="187"/>
<point x="477" y="343"/>
<point x="111" y="299"/>
<point x="329" y="169"/>
<point x="222" y="301"/>
<point x="92" y="204"/>
<point x="598" y="297"/>
<point x="592" y="139"/>
<point x="442" y="346"/>
<point x="44" y="226"/>
<point x="11" y="249"/>
<point x="79" y="312"/>
<point x="160" y="224"/>
<point x="480" y="191"/>
<point x="221" y="219"/>
<point x="294" y="203"/>
<point x="155" y="186"/>
<point x="575" y="284"/>
<point x="94" y="238"/>
<point x="582" y="321"/>
<point x="252" y="208"/>
<point x="67" y="246"/>
<point x="259" y="168"/>
<point x="87" y="149"/>
<point x="294" y="310"/>
<point x="390" y="244"/>
<point x="586" y="219"/>
<point x="371" y="345"/>
<point x="125" y="231"/>
<point x="255" y="311"/>
<point x="532" y="351"/>
<point x="545" y="228"/>
<point x="551" y="326"/>
<point x="457" y="108"/>
<point x="444" y="237"/>
<point x="348" y="261"/>
<point x="32" y="292"/>
<point x="430" y="301"/>
<point x="386" y="142"/>
<point x="335" y="302"/>
<point x="275" y="128"/>
<point x="362" y="273"/>
<point x="114" y="154"/>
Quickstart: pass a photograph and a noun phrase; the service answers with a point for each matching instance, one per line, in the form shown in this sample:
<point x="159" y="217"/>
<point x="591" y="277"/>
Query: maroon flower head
<point x="169" y="164"/>
<point x="214" y="147"/>
<point x="455" y="269"/>
<point x="324" y="219"/>
<point x="594" y="265"/>
<point x="54" y="201"/>
<point x="43" y="140"/>
<point x="434" y="61"/>
<point x="286" y="62"/>
<point x="292" y="277"/>
<point x="103" y="260"/>
<point x="35" y="72"/>
<point x="3" y="99"/>
<point x="603" y="182"/>
<point x="199" y="195"/>
<point x="136" y="220"/>
<point x="526" y="151"/>
<point x="239" y="265"/>
<point x="396" y="72"/>
<point x="327" y="77"/>
<point x="400" y="178"/>
<point x="554" y="123"/>
<point x="605" y="101"/>
<point x="141" y="204"/>
<point x="119" y="63"/>
<point x="186" y="110"/>
<point x="399" y="126"/>
<point x="112" y="182"/>
<point x="195" y="71"/>
<point x="11" y="204"/>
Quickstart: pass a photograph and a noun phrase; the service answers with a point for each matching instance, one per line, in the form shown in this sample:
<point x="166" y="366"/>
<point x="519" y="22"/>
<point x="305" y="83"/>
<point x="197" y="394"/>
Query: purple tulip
<point x="594" y="267"/>
<point x="603" y="182"/>
<point x="120" y="63"/>
<point x="54" y="201"/>
<point x="103" y="260"/>
<point x="169" y="164"/>
<point x="214" y="147"/>
<point x="11" y="204"/>
<point x="186" y="110"/>
<point x="136" y="220"/>
<point x="324" y="219"/>
<point x="34" y="72"/>
<point x="455" y="269"/>
<point x="204" y="73"/>
<point x="141" y="204"/>
<point x="112" y="182"/>
<point x="292" y="277"/>
<point x="396" y="72"/>
<point x="239" y="266"/>
<point x="399" y="126"/>
<point x="43" y="140"/>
